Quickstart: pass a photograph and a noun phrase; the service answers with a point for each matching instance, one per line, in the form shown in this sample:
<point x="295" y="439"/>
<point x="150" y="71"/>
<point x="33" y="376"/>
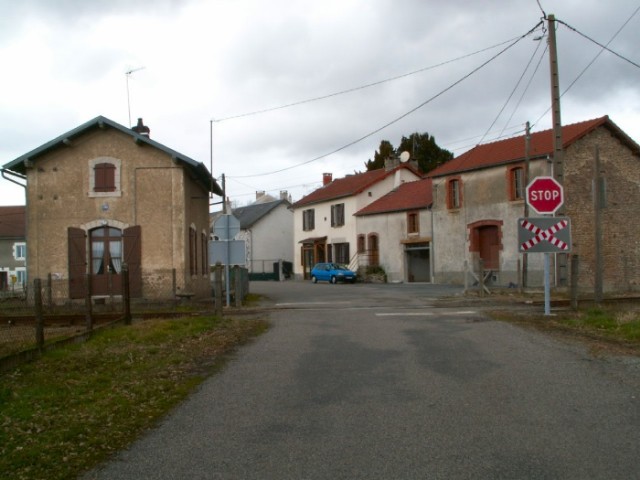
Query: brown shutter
<point x="133" y="258"/>
<point x="77" y="243"/>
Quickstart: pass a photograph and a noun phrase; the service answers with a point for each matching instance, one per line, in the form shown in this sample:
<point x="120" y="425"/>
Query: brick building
<point x="102" y="195"/>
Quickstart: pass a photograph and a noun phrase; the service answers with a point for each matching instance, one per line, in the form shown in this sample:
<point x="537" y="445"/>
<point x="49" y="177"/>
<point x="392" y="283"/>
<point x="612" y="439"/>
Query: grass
<point x="75" y="406"/>
<point x="615" y="325"/>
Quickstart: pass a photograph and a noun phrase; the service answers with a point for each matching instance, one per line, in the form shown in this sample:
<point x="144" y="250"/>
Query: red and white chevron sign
<point x="546" y="232"/>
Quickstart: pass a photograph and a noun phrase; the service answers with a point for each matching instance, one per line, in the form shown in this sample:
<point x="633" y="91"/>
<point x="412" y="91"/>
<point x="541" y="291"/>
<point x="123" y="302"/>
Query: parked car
<point x="332" y="272"/>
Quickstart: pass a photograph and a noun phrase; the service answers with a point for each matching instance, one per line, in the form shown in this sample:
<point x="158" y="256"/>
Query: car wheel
<point x="314" y="279"/>
<point x="334" y="279"/>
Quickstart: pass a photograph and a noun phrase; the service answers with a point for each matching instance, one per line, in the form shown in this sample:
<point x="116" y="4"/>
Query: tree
<point x="424" y="149"/>
<point x="385" y="151"/>
<point x="421" y="146"/>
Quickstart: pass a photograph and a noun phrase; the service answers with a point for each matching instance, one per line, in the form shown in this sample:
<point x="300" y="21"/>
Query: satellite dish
<point x="404" y="156"/>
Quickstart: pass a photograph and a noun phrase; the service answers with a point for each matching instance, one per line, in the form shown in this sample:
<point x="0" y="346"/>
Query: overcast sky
<point x="212" y="63"/>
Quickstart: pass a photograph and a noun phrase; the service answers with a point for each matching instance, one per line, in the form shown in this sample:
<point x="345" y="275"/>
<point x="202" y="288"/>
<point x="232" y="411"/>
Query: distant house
<point x="401" y="221"/>
<point x="480" y="195"/>
<point x="324" y="225"/>
<point x="13" y="248"/>
<point x="267" y="229"/>
<point x="102" y="195"/>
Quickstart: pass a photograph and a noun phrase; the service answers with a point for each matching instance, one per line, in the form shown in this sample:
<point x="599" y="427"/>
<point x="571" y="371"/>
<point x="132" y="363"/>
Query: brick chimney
<point x="327" y="178"/>
<point x="141" y="129"/>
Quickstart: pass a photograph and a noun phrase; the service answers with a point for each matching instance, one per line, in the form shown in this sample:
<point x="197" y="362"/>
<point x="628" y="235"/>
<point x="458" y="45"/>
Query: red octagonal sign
<point x="545" y="195"/>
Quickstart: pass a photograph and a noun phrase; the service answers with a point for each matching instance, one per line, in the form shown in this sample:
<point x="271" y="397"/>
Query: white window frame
<point x="20" y="246"/>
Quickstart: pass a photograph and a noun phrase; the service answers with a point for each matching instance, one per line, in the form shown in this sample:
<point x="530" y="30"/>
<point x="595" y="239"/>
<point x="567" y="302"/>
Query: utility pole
<point x="558" y="160"/>
<point x="224" y="196"/>
<point x="525" y="182"/>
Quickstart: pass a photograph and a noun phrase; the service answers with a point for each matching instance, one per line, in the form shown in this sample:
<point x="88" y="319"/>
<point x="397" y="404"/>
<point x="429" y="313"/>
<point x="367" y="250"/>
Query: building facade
<point x="102" y="195"/>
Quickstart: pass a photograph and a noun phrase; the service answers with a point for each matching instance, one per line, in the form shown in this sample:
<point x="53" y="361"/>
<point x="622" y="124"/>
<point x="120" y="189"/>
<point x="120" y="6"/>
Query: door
<point x="489" y="246"/>
<point x="106" y="261"/>
<point x="418" y="262"/>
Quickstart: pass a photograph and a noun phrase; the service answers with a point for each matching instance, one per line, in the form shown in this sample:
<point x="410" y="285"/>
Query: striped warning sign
<point x="544" y="234"/>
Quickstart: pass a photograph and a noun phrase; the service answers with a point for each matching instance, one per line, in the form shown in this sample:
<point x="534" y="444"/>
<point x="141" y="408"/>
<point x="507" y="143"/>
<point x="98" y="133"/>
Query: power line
<point x="513" y="91"/>
<point x="362" y="87"/>
<point x="603" y="48"/>
<point x="397" y="119"/>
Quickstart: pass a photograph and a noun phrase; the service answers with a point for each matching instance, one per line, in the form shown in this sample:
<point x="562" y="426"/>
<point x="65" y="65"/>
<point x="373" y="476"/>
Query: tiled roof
<point x="347" y="186"/>
<point x="408" y="196"/>
<point x="198" y="169"/>
<point x="513" y="149"/>
<point x="12" y="222"/>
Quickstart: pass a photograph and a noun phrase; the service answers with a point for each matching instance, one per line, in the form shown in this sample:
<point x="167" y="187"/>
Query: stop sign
<point x="545" y="195"/>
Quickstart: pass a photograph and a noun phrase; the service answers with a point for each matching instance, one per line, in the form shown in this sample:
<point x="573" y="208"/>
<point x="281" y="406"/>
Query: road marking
<point x="425" y="314"/>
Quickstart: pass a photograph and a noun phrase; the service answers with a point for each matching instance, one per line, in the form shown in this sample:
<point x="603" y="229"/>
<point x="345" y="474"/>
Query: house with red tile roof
<point x="324" y="225"/>
<point x="480" y="195"/>
<point x="13" y="248"/>
<point x="401" y="221"/>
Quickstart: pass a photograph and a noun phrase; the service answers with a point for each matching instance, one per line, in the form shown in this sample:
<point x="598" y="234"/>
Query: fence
<point x="45" y="314"/>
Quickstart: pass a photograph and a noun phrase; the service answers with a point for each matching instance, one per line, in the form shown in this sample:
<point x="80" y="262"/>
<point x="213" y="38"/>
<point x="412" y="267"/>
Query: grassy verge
<point x="613" y="326"/>
<point x="71" y="409"/>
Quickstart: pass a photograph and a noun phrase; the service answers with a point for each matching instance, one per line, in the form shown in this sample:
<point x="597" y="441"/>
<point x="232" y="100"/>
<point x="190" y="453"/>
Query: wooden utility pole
<point x="558" y="157"/>
<point x="525" y="181"/>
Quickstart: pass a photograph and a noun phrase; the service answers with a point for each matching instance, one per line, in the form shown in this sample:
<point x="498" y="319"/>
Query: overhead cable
<point x="397" y="119"/>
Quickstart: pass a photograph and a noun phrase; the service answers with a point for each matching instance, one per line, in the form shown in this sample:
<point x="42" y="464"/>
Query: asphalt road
<point x="372" y="382"/>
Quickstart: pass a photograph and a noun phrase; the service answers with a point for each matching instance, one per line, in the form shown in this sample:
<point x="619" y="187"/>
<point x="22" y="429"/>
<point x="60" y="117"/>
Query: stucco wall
<point x="272" y="239"/>
<point x="391" y="229"/>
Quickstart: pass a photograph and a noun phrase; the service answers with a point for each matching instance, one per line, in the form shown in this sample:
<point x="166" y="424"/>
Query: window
<point x="106" y="251"/>
<point x="21" y="277"/>
<point x="193" y="252"/>
<point x="341" y="253"/>
<point x="308" y="219"/>
<point x="374" y="253"/>
<point x="516" y="183"/>
<point x="104" y="177"/>
<point x="454" y="193"/>
<point x="205" y="254"/>
<point x="337" y="215"/>
<point x="361" y="244"/>
<point x="20" y="251"/>
<point x="413" y="225"/>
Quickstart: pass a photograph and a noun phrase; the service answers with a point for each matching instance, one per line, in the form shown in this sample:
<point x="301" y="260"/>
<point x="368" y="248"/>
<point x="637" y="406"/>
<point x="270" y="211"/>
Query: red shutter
<point x="133" y="258"/>
<point x="77" y="244"/>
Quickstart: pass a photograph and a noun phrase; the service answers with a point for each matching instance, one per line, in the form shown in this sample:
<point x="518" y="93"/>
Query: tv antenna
<point x="128" y="74"/>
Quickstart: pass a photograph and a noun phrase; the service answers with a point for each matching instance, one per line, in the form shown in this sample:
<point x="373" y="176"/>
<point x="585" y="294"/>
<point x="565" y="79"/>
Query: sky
<point x="274" y="94"/>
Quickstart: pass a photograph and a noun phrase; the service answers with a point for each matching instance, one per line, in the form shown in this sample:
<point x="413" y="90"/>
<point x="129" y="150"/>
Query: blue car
<point x="332" y="272"/>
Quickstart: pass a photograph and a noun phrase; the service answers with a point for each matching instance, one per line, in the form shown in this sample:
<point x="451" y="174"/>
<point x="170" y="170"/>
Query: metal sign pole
<point x="547" y="287"/>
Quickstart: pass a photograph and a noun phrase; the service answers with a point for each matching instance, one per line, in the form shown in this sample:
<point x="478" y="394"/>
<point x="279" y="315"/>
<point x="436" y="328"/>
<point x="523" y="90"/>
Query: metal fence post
<point x="37" y="297"/>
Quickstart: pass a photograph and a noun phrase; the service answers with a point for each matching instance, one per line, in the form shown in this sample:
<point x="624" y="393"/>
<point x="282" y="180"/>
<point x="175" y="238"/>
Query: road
<point x="373" y="382"/>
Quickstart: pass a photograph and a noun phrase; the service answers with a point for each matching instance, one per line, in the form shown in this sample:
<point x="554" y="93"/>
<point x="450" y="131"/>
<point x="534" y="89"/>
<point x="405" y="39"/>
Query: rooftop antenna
<point x="128" y="74"/>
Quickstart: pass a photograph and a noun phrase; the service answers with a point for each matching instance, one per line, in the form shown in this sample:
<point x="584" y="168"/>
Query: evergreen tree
<point x="422" y="147"/>
<point x="385" y="151"/>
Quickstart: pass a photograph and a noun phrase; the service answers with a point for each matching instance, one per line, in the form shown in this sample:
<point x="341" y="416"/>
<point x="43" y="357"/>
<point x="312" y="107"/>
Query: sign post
<point x="545" y="234"/>
<point x="226" y="227"/>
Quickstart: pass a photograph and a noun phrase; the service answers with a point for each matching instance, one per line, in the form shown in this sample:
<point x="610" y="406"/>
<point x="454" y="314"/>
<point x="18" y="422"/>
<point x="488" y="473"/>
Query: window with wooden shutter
<point x="77" y="258"/>
<point x="105" y="177"/>
<point x="132" y="256"/>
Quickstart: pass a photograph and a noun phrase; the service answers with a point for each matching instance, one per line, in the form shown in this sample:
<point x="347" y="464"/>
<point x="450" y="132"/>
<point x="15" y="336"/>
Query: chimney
<point x="284" y="195"/>
<point x="327" y="178"/>
<point x="391" y="163"/>
<point x="141" y="129"/>
<point x="259" y="194"/>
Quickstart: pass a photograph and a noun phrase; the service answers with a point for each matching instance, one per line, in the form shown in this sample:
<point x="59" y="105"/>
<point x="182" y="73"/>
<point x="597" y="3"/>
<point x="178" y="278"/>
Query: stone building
<point x="480" y="195"/>
<point x="102" y="195"/>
